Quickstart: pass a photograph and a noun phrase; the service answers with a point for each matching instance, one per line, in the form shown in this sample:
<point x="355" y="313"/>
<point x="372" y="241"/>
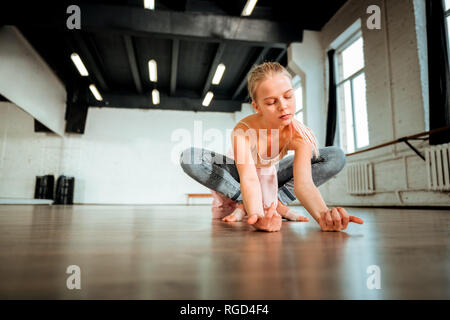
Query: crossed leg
<point x="330" y="162"/>
<point x="219" y="173"/>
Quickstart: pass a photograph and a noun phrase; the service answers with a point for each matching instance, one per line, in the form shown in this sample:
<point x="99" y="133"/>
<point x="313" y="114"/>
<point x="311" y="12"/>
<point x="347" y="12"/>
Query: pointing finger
<point x="356" y="220"/>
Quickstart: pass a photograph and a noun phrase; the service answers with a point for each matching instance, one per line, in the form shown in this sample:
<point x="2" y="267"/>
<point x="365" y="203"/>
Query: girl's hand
<point x="336" y="219"/>
<point x="270" y="222"/>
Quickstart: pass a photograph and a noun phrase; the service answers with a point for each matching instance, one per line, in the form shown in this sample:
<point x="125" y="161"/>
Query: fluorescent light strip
<point x="208" y="98"/>
<point x="95" y="92"/>
<point x="155" y="96"/>
<point x="79" y="64"/>
<point x="152" y="70"/>
<point x="248" y="8"/>
<point x="149" y="4"/>
<point x="219" y="73"/>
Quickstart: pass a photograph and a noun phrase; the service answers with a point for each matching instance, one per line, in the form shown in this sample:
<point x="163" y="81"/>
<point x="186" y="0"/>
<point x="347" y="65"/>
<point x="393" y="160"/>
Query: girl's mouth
<point x="286" y="116"/>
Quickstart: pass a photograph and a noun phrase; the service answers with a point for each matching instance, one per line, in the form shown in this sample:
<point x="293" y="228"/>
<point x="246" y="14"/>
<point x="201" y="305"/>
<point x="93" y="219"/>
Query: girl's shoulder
<point x="246" y="123"/>
<point x="295" y="132"/>
<point x="301" y="134"/>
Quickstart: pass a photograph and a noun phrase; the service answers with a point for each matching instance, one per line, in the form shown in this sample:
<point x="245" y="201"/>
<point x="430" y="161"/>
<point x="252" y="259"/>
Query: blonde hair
<point x="258" y="74"/>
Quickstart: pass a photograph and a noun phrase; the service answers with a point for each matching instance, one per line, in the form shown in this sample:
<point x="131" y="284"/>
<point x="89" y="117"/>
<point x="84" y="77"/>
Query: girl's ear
<point x="255" y="106"/>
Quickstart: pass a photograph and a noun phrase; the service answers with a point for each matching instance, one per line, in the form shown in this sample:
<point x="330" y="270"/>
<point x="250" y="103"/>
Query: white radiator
<point x="360" y="178"/>
<point x="437" y="160"/>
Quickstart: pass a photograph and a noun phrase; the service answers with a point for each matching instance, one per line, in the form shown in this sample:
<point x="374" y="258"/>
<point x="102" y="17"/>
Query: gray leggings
<point x="219" y="173"/>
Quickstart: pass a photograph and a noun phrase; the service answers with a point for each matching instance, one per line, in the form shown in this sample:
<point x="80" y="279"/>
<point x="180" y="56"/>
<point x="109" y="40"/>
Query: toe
<point x="229" y="218"/>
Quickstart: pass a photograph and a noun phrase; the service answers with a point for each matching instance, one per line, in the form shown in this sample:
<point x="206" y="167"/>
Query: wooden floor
<point x="178" y="252"/>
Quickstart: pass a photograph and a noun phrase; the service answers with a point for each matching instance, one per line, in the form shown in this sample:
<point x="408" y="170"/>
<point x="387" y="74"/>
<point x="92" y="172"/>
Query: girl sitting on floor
<point x="251" y="181"/>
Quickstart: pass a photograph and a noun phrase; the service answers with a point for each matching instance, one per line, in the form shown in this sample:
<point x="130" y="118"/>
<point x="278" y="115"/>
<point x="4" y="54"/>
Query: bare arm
<point x="250" y="186"/>
<point x="304" y="187"/>
<point x="335" y="219"/>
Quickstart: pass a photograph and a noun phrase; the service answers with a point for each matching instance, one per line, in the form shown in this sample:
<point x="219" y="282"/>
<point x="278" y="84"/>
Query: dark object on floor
<point x="64" y="190"/>
<point x="44" y="187"/>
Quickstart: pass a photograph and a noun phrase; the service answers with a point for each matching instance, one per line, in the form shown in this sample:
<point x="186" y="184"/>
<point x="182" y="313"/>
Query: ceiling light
<point x="95" y="92"/>
<point x="149" y="4"/>
<point x="155" y="96"/>
<point x="248" y="8"/>
<point x="219" y="73"/>
<point x="208" y="98"/>
<point x="79" y="64"/>
<point x="152" y="70"/>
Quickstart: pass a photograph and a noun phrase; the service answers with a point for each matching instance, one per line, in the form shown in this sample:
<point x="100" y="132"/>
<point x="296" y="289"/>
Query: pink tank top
<point x="268" y="180"/>
<point x="266" y="171"/>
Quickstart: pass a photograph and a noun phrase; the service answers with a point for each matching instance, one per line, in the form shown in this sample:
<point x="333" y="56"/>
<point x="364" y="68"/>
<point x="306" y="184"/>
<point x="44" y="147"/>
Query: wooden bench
<point x="197" y="195"/>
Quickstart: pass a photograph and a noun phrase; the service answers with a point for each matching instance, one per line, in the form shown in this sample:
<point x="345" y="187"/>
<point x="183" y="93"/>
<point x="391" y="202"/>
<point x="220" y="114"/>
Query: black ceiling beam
<point x="188" y="25"/>
<point x="215" y="7"/>
<point x="89" y="60"/>
<point x="91" y="43"/>
<point x="178" y="5"/>
<point x="212" y="69"/>
<point x="131" y="54"/>
<point x="243" y="82"/>
<point x="135" y="101"/>
<point x="174" y="67"/>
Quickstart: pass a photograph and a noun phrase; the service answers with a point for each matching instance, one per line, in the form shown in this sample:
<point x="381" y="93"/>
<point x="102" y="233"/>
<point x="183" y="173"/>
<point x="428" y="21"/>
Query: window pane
<point x="448" y="31"/>
<point x="447" y="5"/>
<point x="296" y="81"/>
<point x="352" y="58"/>
<point x="360" y="108"/>
<point x="299" y="98"/>
<point x="348" y="117"/>
<point x="299" y="116"/>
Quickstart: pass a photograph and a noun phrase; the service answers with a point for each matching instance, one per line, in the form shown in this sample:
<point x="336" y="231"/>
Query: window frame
<point x="340" y="81"/>
<point x="300" y="84"/>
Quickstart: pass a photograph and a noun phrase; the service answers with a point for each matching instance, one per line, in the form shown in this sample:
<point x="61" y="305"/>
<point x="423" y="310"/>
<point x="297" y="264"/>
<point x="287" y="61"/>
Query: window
<point x="351" y="90"/>
<point x="298" y="92"/>
<point x="447" y="19"/>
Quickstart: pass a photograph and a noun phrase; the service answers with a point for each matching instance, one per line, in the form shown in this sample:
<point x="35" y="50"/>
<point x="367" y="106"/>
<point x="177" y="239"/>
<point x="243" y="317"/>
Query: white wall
<point x="26" y="80"/>
<point x="396" y="94"/>
<point x="124" y="157"/>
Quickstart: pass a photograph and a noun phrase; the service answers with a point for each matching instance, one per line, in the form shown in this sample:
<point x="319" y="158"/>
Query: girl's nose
<point x="283" y="105"/>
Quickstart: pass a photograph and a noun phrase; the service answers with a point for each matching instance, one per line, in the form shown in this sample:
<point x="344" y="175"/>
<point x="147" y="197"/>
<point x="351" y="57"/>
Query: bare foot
<point x="290" y="214"/>
<point x="236" y="215"/>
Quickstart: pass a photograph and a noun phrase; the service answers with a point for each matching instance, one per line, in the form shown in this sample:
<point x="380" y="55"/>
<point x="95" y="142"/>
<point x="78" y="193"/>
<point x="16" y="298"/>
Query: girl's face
<point x="275" y="100"/>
